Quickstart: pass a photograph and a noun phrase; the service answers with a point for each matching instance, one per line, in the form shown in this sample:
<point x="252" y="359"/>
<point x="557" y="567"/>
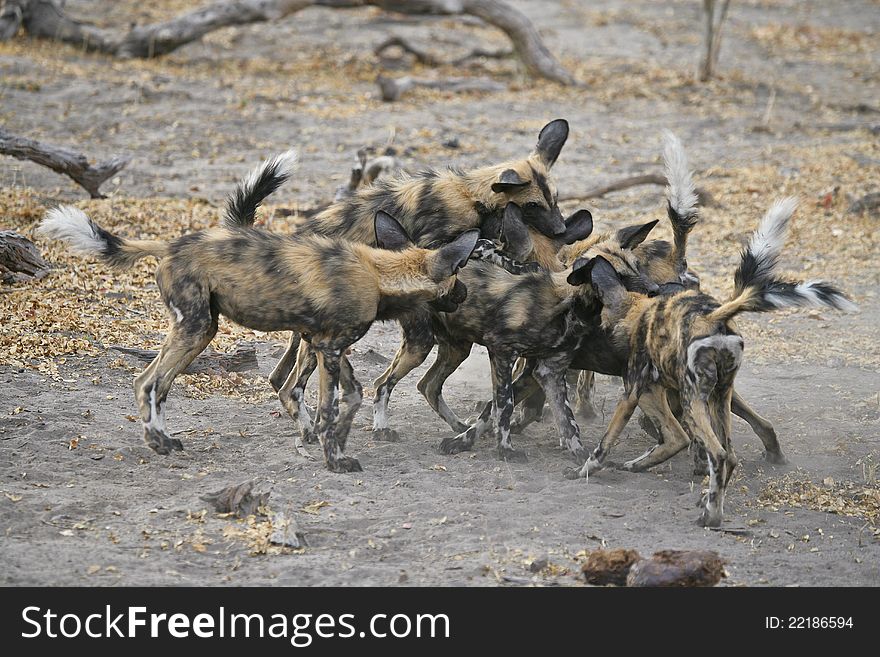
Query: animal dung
<point x="625" y="567"/>
<point x="609" y="566"/>
<point x="678" y="568"/>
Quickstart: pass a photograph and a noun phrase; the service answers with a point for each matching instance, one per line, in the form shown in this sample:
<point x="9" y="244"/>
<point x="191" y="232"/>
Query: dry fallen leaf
<point x="314" y="506"/>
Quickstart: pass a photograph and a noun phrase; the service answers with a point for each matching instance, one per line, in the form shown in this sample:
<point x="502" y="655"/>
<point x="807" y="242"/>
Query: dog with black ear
<point x="433" y="207"/>
<point x="329" y="289"/>
<point x="688" y="343"/>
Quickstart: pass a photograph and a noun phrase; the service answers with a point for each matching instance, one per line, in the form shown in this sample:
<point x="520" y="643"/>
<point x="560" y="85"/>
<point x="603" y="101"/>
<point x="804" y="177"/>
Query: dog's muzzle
<point x="547" y="221"/>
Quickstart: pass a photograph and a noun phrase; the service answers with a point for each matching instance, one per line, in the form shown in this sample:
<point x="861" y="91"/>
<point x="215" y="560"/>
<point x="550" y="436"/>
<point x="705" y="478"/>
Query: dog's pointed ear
<point x="581" y="271"/>
<point x="509" y="182"/>
<point x="390" y="234"/>
<point x="577" y="227"/>
<point x="631" y="236"/>
<point x="515" y="234"/>
<point x="551" y="139"/>
<point x="447" y="260"/>
<point x="607" y="283"/>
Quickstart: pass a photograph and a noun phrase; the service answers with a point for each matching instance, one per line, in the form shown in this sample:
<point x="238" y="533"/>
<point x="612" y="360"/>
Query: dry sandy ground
<point x="794" y="112"/>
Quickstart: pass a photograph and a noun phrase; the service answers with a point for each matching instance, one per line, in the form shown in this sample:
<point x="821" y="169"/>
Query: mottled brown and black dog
<point x="433" y="207"/>
<point x="688" y="343"/>
<point x="326" y="288"/>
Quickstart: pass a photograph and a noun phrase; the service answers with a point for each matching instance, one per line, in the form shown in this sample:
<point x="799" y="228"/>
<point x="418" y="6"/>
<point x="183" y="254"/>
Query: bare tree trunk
<point x="63" y="160"/>
<point x="715" y="12"/>
<point x="45" y="18"/>
<point x="19" y="259"/>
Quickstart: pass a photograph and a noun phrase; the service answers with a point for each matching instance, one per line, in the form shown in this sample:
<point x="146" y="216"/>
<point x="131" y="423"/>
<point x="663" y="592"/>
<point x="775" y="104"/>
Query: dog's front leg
<point x="418" y="340"/>
<point x="550" y="373"/>
<point x="622" y="413"/>
<point x="502" y="390"/>
<point x="329" y="364"/>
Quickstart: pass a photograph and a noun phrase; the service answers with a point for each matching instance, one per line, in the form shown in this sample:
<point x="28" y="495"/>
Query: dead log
<point x="46" y="19"/>
<point x="678" y="568"/>
<point x="62" y="160"/>
<point x="393" y="88"/>
<point x="243" y="359"/>
<point x="20" y="260"/>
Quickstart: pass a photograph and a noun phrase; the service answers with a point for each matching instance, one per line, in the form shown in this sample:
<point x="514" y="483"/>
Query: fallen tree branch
<point x="703" y="196"/>
<point x="243" y="359"/>
<point x="426" y="58"/>
<point x="393" y="88"/>
<point x="62" y="160"/>
<point x="46" y="19"/>
<point x="19" y="259"/>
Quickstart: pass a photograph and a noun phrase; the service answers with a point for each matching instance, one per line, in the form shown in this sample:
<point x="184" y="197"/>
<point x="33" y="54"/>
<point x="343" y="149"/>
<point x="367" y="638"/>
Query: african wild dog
<point x="542" y="317"/>
<point x="688" y="343"/>
<point x="535" y="315"/>
<point x="665" y="264"/>
<point x="328" y="289"/>
<point x="433" y="207"/>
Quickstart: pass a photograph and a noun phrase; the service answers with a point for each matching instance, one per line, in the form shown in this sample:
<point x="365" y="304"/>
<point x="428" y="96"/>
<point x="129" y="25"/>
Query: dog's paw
<point x="161" y="443"/>
<point x="386" y="435"/>
<point x="776" y="458"/>
<point x="709" y="519"/>
<point x="512" y="455"/>
<point x="344" y="464"/>
<point x="455" y="444"/>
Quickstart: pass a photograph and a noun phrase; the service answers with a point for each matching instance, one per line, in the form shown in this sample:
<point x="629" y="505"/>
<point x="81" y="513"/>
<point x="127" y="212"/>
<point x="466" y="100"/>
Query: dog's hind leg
<point x="328" y="426"/>
<point x="586" y="384"/>
<point x="502" y="389"/>
<point x="529" y="395"/>
<point x="655" y="406"/>
<point x="417" y="342"/>
<point x="762" y="428"/>
<point x="352" y="395"/>
<point x="449" y="356"/>
<point x="285" y="366"/>
<point x="622" y="413"/>
<point x="552" y="377"/>
<point x="292" y="395"/>
<point x="194" y="327"/>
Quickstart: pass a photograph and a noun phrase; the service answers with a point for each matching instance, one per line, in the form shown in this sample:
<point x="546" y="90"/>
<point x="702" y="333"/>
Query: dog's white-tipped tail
<point x="680" y="193"/>
<point x="766" y="243"/>
<point x="242" y="204"/>
<point x="73" y="226"/>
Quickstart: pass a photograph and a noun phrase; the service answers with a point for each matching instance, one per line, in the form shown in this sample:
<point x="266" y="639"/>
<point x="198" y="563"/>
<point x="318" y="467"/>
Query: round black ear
<point x="577" y="227"/>
<point x="631" y="236"/>
<point x="509" y="181"/>
<point x="450" y="258"/>
<point x="551" y="139"/>
<point x="390" y="234"/>
<point x="581" y="270"/>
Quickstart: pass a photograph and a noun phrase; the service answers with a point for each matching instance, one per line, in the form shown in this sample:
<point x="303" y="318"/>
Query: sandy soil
<point x="794" y="111"/>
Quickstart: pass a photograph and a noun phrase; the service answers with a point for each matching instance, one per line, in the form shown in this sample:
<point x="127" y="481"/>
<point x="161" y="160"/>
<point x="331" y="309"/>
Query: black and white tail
<point x="242" y="204"/>
<point x="86" y="237"/>
<point x="681" y="197"/>
<point x="756" y="286"/>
